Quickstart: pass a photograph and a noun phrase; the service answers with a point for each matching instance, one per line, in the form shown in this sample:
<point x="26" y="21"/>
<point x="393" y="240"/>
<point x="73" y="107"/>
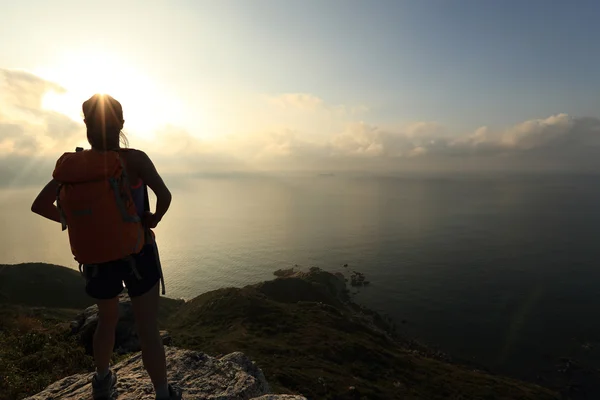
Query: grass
<point x="42" y="285"/>
<point x="38" y="302"/>
<point x="308" y="341"/>
<point x="303" y="332"/>
<point x="36" y="349"/>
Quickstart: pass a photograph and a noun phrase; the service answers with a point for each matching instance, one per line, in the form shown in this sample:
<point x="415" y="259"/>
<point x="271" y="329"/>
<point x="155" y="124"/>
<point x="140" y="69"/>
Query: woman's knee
<point x="145" y="310"/>
<point x="108" y="322"/>
<point x="108" y="313"/>
<point x="147" y="329"/>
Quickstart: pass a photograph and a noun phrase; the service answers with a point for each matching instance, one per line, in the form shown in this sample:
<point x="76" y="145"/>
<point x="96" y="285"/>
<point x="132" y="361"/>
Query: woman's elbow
<point x="168" y="196"/>
<point x="39" y="209"/>
<point x="164" y="196"/>
<point x="35" y="208"/>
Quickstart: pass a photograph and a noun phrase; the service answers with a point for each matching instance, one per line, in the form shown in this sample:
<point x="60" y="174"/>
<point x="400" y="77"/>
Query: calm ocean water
<point x="504" y="270"/>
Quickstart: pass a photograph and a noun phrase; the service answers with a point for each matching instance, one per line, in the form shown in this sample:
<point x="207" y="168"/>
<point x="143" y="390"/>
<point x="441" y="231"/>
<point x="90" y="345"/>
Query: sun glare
<point x="83" y="74"/>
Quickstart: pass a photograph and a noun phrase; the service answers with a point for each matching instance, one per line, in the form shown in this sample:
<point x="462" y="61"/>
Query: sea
<point x="499" y="270"/>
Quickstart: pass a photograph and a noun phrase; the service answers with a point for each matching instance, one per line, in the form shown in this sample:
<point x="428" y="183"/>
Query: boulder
<point x="231" y="377"/>
<point x="126" y="338"/>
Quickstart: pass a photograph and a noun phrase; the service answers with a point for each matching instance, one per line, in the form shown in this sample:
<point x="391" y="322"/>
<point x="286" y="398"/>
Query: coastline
<point x="302" y="328"/>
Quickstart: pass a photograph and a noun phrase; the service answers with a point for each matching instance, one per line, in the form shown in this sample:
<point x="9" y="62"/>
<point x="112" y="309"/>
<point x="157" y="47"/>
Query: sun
<point x="85" y="73"/>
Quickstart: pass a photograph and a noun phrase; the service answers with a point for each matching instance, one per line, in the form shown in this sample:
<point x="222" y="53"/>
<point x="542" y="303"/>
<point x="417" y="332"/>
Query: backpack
<point x="95" y="205"/>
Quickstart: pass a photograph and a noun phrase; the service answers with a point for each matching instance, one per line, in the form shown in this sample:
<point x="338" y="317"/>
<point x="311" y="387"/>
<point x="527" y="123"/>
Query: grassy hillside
<point x="42" y="285"/>
<point x="37" y="303"/>
<point x="36" y="349"/>
<point x="303" y="331"/>
<point x="309" y="339"/>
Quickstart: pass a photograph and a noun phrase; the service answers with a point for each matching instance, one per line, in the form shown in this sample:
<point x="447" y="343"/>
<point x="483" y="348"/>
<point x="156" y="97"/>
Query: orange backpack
<point x="95" y="204"/>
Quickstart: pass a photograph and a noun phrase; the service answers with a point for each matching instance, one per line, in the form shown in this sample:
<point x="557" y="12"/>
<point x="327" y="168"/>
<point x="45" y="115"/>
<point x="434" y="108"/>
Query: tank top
<point x="137" y="193"/>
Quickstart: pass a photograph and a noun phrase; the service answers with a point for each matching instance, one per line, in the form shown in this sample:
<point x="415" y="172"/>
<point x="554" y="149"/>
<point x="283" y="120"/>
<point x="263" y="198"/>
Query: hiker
<point x="102" y="200"/>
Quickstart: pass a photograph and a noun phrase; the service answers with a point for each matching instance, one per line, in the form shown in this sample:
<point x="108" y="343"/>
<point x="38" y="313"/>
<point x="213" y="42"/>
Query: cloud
<point x="420" y="139"/>
<point x="14" y="139"/>
<point x="26" y="128"/>
<point x="10" y="131"/>
<point x="557" y="142"/>
<point x="17" y="171"/>
<point x="25" y="90"/>
<point x="358" y="140"/>
<point x="302" y="101"/>
<point x="311" y="103"/>
<point x="296" y="131"/>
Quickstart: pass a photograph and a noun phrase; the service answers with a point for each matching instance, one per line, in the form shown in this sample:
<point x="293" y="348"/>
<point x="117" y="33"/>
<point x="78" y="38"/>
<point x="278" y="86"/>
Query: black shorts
<point x="105" y="281"/>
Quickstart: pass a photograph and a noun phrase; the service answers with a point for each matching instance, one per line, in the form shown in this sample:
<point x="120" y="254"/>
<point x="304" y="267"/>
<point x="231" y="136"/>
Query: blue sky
<point x="461" y="62"/>
<point x="207" y="67"/>
<point x="458" y="62"/>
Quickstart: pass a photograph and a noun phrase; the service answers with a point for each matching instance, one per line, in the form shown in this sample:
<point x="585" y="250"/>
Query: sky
<point x="263" y="85"/>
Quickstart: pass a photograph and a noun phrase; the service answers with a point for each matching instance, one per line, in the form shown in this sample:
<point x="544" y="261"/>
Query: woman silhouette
<point x="104" y="281"/>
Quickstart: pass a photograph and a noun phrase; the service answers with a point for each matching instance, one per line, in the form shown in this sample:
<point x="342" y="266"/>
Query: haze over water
<point x="502" y="270"/>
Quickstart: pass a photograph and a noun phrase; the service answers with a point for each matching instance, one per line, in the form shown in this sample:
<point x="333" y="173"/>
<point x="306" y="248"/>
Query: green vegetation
<point x="42" y="285"/>
<point x="37" y="303"/>
<point x="302" y="330"/>
<point x="309" y="339"/>
<point x="36" y="349"/>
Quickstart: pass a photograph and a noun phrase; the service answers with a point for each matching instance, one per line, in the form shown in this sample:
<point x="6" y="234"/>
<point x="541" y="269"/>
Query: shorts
<point x="105" y="281"/>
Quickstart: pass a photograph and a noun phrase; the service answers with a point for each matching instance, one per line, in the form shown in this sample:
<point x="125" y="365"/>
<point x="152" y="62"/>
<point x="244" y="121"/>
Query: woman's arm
<point x="150" y="176"/>
<point x="44" y="202"/>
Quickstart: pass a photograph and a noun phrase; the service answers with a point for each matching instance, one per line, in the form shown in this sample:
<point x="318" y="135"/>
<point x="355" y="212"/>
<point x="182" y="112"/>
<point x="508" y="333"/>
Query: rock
<point x="335" y="285"/>
<point x="358" y="279"/>
<point x="166" y="338"/>
<point x="126" y="339"/>
<point x="282" y="273"/>
<point x="354" y="393"/>
<point x="232" y="377"/>
<point x="249" y="367"/>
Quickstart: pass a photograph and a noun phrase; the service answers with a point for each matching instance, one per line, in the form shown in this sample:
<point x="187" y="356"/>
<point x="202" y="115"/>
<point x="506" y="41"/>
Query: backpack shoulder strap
<point x="61" y="212"/>
<point x="146" y="199"/>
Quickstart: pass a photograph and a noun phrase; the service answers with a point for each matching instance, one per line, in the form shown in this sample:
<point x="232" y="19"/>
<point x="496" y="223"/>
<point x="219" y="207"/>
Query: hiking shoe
<point x="104" y="389"/>
<point x="174" y="394"/>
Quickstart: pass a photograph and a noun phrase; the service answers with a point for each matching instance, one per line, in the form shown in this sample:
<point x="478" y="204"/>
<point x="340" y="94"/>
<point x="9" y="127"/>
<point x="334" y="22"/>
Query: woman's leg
<point x="104" y="337"/>
<point x="145" y="311"/>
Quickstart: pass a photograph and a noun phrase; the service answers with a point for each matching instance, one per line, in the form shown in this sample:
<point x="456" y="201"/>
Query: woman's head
<point x="104" y="121"/>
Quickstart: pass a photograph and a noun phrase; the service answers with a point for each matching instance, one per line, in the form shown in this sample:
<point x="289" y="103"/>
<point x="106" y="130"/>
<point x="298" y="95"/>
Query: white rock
<point x="232" y="377"/>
